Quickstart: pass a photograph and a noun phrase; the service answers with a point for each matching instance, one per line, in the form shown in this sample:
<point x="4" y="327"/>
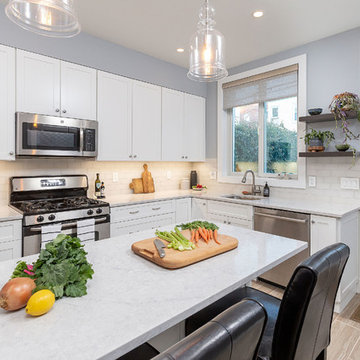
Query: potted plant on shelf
<point x="317" y="139"/>
<point x="344" y="106"/>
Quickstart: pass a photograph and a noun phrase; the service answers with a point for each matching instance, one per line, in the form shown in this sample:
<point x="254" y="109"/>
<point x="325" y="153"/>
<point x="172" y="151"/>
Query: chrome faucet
<point x="255" y="190"/>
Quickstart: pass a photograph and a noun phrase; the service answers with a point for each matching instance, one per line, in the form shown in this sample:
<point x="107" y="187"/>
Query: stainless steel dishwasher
<point x="288" y="224"/>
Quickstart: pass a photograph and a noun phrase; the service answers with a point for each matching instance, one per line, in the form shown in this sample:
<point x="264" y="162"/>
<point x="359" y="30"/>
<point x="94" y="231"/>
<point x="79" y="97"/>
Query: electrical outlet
<point x="312" y="181"/>
<point x="168" y="175"/>
<point x="115" y="177"/>
<point x="349" y="183"/>
<point x="212" y="175"/>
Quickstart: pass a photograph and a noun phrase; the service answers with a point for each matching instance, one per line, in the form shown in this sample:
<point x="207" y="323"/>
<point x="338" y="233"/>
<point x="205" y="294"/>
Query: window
<point x="258" y="124"/>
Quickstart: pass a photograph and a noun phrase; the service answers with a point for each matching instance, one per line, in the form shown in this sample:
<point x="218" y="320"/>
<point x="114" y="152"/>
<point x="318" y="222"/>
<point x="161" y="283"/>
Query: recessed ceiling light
<point x="180" y="50"/>
<point x="258" y="13"/>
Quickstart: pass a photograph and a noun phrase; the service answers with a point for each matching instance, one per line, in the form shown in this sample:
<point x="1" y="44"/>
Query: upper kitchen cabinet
<point x="78" y="91"/>
<point x="7" y="103"/>
<point x="37" y="83"/>
<point x="114" y="117"/>
<point x="146" y="115"/>
<point x="49" y="86"/>
<point x="173" y="125"/>
<point x="183" y="126"/>
<point x="194" y="128"/>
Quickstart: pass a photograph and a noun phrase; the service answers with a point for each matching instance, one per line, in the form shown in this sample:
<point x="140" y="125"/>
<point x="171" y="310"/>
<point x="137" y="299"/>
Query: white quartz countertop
<point x="130" y="300"/>
<point x="8" y="214"/>
<point x="307" y="205"/>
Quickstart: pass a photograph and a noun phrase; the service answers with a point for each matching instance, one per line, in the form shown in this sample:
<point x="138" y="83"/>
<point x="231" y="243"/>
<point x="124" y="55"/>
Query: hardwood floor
<point x="345" y="333"/>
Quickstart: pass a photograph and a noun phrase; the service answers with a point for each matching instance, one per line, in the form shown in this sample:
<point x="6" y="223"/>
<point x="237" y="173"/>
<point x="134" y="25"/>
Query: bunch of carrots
<point x="202" y="230"/>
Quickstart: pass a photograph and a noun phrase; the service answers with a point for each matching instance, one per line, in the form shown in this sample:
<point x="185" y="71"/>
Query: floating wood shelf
<point x="325" y="117"/>
<point x="326" y="154"/>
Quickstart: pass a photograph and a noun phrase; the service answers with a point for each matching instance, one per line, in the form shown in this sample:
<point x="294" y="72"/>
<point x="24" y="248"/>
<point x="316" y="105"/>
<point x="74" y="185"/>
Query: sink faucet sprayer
<point x="255" y="190"/>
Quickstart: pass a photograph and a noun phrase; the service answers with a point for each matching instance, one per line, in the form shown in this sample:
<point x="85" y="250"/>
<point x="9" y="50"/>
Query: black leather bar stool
<point x="299" y="326"/>
<point x="233" y="335"/>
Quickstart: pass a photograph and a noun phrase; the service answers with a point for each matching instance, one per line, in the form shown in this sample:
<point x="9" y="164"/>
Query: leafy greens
<point x="62" y="267"/>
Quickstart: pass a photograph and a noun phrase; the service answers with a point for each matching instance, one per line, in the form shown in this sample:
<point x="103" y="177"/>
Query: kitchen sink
<point x="242" y="197"/>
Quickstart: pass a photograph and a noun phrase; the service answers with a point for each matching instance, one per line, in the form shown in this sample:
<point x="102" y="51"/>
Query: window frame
<point x="225" y="140"/>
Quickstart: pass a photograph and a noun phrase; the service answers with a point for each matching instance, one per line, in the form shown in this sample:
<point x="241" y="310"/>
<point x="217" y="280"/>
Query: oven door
<point x="32" y="234"/>
<point x="41" y="135"/>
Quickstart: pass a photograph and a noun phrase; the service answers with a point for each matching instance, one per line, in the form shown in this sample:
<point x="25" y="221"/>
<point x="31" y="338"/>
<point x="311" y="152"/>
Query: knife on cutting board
<point x="160" y="247"/>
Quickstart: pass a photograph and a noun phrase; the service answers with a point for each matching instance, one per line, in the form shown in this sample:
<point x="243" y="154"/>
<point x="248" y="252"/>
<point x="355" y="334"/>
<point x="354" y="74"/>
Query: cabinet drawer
<point x="10" y="250"/>
<point x="10" y="231"/>
<point x="133" y="226"/>
<point x="132" y="212"/>
<point x="228" y="209"/>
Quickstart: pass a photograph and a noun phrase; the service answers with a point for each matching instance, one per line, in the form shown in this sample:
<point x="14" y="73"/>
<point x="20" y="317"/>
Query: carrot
<point x="196" y="235"/>
<point x="201" y="232"/>
<point x="211" y="234"/>
<point x="216" y="237"/>
<point x="192" y="235"/>
<point x="207" y="235"/>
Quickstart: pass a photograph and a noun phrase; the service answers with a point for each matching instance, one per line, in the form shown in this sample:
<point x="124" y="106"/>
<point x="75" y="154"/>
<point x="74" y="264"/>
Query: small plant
<point x="324" y="136"/>
<point x="340" y="105"/>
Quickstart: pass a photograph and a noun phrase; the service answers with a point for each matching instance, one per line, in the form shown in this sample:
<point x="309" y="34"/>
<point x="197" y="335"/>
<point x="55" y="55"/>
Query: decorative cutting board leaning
<point x="148" y="181"/>
<point x="137" y="186"/>
<point x="175" y="259"/>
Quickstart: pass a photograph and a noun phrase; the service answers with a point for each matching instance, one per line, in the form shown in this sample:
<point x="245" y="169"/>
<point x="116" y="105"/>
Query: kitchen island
<point x="130" y="300"/>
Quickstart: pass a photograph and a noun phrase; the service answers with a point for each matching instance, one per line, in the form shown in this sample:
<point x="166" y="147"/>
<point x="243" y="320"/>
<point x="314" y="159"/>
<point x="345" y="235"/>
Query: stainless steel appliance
<point x="288" y="224"/>
<point x="45" y="200"/>
<point x="42" y="135"/>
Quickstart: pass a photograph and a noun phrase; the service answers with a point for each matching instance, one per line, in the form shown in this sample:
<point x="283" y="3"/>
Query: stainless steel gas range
<point x="57" y="202"/>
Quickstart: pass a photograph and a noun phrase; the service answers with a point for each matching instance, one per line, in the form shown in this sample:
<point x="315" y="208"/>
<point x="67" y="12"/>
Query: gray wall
<point x="93" y="52"/>
<point x="333" y="66"/>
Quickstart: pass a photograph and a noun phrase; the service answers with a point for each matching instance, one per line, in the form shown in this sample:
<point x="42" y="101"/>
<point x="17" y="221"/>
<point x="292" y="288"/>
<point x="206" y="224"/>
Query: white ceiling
<point x="158" y="27"/>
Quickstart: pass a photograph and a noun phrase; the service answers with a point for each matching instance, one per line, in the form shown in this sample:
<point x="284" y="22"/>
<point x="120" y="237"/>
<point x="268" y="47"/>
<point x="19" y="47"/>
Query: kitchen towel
<point x="49" y="233"/>
<point x="86" y="230"/>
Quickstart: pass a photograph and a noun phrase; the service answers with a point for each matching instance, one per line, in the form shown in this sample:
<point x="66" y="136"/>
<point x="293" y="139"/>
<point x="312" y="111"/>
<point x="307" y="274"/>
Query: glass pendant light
<point x="55" y="18"/>
<point x="207" y="49"/>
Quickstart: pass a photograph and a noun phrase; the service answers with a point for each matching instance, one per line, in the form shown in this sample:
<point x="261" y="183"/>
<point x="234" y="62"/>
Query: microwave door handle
<point x="82" y="140"/>
<point x="69" y="225"/>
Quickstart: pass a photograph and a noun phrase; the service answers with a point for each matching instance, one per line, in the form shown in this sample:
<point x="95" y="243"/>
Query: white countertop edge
<point x="184" y="315"/>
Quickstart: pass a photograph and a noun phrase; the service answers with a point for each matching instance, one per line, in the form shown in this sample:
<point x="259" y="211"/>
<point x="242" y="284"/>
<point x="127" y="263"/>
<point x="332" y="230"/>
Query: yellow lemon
<point x="40" y="303"/>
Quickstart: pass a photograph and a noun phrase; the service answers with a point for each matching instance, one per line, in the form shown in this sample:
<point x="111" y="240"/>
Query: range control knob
<point x="40" y="219"/>
<point x="90" y="212"/>
<point x="99" y="211"/>
<point x="51" y="217"/>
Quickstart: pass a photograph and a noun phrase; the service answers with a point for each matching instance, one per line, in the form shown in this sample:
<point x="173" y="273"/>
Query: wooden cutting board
<point x="137" y="186"/>
<point x="148" y="181"/>
<point x="175" y="259"/>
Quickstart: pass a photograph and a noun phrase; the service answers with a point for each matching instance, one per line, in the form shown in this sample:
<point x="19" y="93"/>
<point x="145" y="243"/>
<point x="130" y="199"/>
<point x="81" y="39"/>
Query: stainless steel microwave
<point x="43" y="135"/>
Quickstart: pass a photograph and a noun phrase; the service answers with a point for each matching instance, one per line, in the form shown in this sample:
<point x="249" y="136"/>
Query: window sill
<point x="299" y="183"/>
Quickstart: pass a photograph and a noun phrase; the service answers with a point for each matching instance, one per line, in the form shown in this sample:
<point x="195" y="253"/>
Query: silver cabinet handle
<point x="155" y="209"/>
<point x="299" y="221"/>
<point x="186" y="157"/>
<point x="313" y="221"/>
<point x="64" y="111"/>
<point x="130" y="156"/>
<point x="11" y="153"/>
<point x="183" y="157"/>
<point x="57" y="110"/>
<point x="224" y="221"/>
<point x="229" y="222"/>
<point x="135" y="156"/>
<point x="133" y="212"/>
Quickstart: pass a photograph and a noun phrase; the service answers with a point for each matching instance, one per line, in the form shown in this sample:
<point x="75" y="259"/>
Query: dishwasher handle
<point x="299" y="221"/>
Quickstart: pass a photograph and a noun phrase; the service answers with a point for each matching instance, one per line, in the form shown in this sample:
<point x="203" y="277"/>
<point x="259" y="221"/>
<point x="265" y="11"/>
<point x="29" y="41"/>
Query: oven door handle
<point x="68" y="225"/>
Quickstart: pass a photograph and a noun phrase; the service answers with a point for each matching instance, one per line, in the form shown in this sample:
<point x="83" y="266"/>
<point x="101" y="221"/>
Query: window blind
<point x="272" y="85"/>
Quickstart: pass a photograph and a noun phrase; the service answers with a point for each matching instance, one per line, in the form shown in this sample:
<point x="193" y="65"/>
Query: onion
<point x="16" y="293"/>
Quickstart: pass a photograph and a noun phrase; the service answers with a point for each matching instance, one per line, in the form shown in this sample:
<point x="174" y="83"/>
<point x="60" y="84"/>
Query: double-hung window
<point x="258" y="124"/>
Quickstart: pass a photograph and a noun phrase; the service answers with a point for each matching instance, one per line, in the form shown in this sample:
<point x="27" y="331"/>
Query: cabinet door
<point x="146" y="122"/>
<point x="7" y="103"/>
<point x="173" y="140"/>
<point x="199" y="209"/>
<point x="114" y="117"/>
<point x="37" y="83"/>
<point x="194" y="128"/>
<point x="10" y="250"/>
<point x="323" y="232"/>
<point x="183" y="210"/>
<point x="78" y="91"/>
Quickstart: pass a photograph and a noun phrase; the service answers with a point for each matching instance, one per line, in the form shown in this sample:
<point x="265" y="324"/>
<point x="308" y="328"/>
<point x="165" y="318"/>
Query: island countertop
<point x="130" y="300"/>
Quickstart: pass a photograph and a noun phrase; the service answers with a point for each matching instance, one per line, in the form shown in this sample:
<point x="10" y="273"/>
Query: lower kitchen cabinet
<point x="199" y="209"/>
<point x="326" y="231"/>
<point x="183" y="210"/>
<point x="10" y="240"/>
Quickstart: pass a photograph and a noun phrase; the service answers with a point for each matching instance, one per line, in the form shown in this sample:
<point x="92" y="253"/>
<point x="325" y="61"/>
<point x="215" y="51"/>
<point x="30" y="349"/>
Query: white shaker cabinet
<point x="183" y="210"/>
<point x="10" y="240"/>
<point x="37" y="83"/>
<point x="194" y="128"/>
<point x="173" y="139"/>
<point x="146" y="115"/>
<point x="114" y="117"/>
<point x="199" y="209"/>
<point x="323" y="232"/>
<point x="7" y="103"/>
<point x="78" y="91"/>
